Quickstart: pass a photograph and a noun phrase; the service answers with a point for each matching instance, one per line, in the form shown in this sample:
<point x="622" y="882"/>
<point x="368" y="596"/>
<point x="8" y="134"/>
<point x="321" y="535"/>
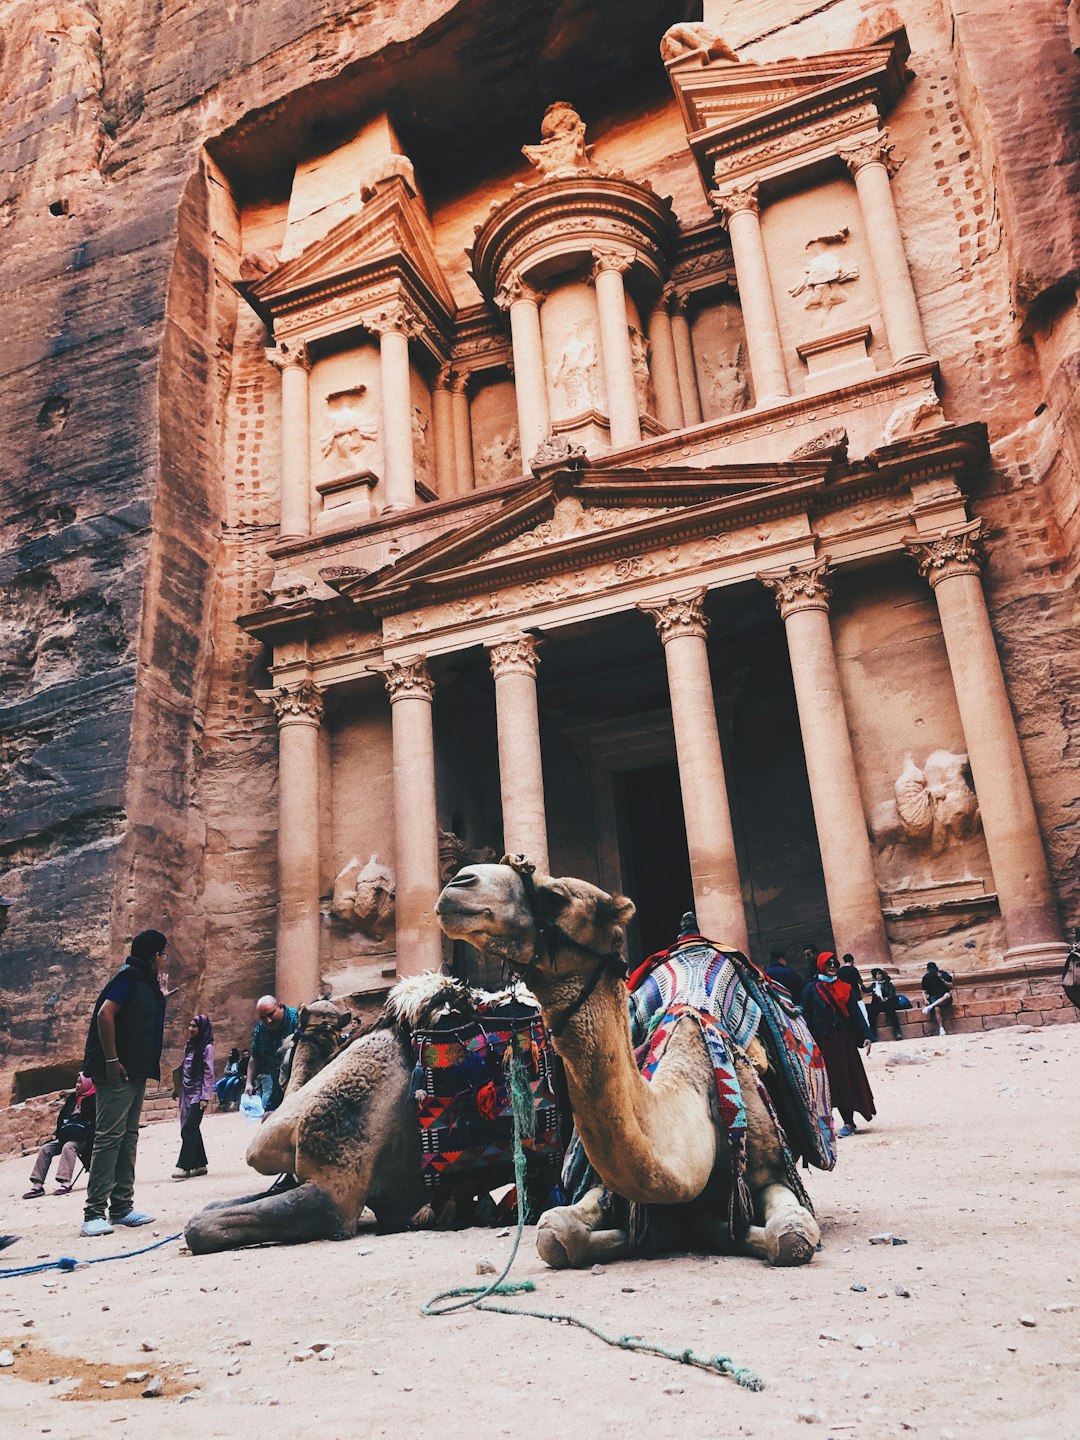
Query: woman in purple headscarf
<point x="196" y="1090"/>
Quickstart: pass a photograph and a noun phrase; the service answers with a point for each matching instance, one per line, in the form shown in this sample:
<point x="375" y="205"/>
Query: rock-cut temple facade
<point x="639" y="441"/>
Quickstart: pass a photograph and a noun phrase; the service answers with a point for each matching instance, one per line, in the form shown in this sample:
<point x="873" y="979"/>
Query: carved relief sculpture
<point x="639" y="356"/>
<point x="349" y="432"/>
<point x="421" y="461"/>
<point x="694" y="38"/>
<point x="725" y="379"/>
<point x="935" y="806"/>
<point x="498" y="459"/>
<point x="824" y="271"/>
<point x="562" y="151"/>
<point x="574" y="374"/>
<point x="363" y="899"/>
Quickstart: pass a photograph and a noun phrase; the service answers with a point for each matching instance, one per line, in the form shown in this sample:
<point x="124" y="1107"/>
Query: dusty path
<point x="974" y="1162"/>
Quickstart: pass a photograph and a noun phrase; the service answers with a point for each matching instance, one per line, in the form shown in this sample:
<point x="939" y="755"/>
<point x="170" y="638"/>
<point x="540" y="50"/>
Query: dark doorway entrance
<point x="655" y="860"/>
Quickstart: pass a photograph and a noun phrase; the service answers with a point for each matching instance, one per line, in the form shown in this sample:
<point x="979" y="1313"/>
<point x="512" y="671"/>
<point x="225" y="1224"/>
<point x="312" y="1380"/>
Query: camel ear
<point x="344" y="1020"/>
<point x="305" y="1016"/>
<point x="615" y="910"/>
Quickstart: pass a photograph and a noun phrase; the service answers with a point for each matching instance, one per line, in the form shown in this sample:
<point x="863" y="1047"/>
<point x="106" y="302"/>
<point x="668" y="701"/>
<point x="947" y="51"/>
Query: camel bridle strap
<point x="553" y="938"/>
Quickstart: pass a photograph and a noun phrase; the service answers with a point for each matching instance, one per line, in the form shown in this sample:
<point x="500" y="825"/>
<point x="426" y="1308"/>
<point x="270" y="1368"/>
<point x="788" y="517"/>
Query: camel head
<point x="313" y="1045"/>
<point x="490" y="907"/>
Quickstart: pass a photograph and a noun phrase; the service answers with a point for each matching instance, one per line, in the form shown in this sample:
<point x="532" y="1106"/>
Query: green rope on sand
<point x="478" y="1297"/>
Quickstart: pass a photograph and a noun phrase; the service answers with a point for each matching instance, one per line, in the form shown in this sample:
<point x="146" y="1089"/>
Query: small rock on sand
<point x="154" y="1389"/>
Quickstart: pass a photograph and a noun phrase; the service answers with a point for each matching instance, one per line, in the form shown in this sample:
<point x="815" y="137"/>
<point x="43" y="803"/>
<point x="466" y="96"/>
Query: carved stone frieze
<point x="557" y="450"/>
<point x="514" y="657"/>
<point x="408" y="680"/>
<point x="793" y="142"/>
<point x="799" y="587"/>
<point x="300" y="705"/>
<point x="286" y="354"/>
<point x="829" y="442"/>
<point x="678" y="618"/>
<point x="956" y="551"/>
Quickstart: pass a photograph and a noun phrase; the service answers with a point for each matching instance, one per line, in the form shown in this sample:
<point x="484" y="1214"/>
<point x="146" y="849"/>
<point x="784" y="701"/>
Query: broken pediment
<point x="389" y="237"/>
<point x="759" y="118"/>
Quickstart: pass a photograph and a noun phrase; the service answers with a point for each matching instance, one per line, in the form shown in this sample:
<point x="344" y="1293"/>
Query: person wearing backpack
<point x="74" y="1141"/>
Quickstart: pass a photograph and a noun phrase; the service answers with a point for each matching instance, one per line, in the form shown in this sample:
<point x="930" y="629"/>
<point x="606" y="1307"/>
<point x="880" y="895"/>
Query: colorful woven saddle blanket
<point x="733" y="1004"/>
<point x="461" y="1085"/>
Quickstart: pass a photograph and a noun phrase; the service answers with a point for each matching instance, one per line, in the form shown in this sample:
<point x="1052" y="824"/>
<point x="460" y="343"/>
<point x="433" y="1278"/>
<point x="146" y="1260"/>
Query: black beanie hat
<point x="147" y="944"/>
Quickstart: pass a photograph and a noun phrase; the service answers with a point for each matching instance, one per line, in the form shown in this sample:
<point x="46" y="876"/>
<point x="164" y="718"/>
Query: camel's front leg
<point x="289" y="1217"/>
<point x="789" y="1234"/>
<point x="571" y="1236"/>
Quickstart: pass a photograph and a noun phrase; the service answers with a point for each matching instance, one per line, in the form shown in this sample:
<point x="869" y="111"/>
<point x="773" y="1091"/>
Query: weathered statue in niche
<point x="562" y="151"/>
<point x="935" y="806"/>
<point x="639" y="356"/>
<point x="725" y="380"/>
<point x="824" y="271"/>
<point x="421" y="459"/>
<point x="363" y="898"/>
<point x="575" y="373"/>
<point x="694" y="37"/>
<point x="348" y="435"/>
<point x="499" y="458"/>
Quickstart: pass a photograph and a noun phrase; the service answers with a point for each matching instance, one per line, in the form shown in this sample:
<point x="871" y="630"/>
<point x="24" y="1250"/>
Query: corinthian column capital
<point x="288" y="353"/>
<point x="514" y="657"/>
<point x="732" y="198"/>
<point x="395" y="318"/>
<point x="956" y="551"/>
<point x="617" y="260"/>
<point x="515" y="288"/>
<point x="676" y="618"/>
<point x="799" y="587"/>
<point x="875" y="151"/>
<point x="408" y="680"/>
<point x="302" y="705"/>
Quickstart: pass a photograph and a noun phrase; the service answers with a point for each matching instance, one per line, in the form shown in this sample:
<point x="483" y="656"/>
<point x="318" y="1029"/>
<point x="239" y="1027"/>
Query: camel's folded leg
<point x="571" y="1236"/>
<point x="790" y="1234"/>
<point x="289" y="1217"/>
<point x="283" y="1183"/>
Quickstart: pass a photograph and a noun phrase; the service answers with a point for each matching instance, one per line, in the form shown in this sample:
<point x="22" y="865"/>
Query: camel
<point x="345" y="1136"/>
<point x="658" y="1143"/>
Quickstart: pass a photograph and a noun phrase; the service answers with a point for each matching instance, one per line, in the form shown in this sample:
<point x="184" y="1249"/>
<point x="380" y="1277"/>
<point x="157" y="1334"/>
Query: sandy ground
<point x="973" y="1162"/>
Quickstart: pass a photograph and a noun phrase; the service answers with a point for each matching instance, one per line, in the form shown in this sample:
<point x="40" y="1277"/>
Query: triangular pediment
<point x="391" y="229"/>
<point x="567" y="520"/>
<point x="728" y="105"/>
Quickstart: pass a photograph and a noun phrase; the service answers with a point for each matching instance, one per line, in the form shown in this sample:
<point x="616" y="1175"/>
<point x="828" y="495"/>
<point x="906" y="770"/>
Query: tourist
<point x="196" y="1089"/>
<point x="837" y="1024"/>
<point x="276" y="1023"/>
<point x="809" y="955"/>
<point x="779" y="971"/>
<point x="231" y="1085"/>
<point x="882" y="1001"/>
<point x="850" y="974"/>
<point x="73" y="1142"/>
<point x="937" y="991"/>
<point x="123" y="1052"/>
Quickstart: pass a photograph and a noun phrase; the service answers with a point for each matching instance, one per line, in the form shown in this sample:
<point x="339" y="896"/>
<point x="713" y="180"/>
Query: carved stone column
<point x="665" y="369"/>
<point x="299" y="715"/>
<point x="394" y="326"/>
<point x="521" y="774"/>
<point x="416" y="829"/>
<point x="710" y="839"/>
<point x="683" y="341"/>
<point x="530" y="379"/>
<point x="951" y="563"/>
<point x="294" y="365"/>
<point x="622" y="401"/>
<point x="802" y="597"/>
<point x="739" y="214"/>
<point x="442" y="418"/>
<point x="869" y="164"/>
<point x="463" y="452"/>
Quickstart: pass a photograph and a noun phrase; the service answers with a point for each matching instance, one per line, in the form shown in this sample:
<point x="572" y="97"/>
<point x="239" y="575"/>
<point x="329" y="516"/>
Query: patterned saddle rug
<point x="461" y="1086"/>
<point x="733" y="1003"/>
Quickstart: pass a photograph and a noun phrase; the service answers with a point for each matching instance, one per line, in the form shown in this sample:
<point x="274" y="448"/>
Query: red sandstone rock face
<point x="138" y="772"/>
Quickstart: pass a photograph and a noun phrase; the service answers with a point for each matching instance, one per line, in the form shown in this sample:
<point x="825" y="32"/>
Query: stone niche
<point x="823" y="287"/>
<point x="720" y="358"/>
<point x="495" y="441"/>
<point x="577" y="392"/>
<point x="345" y="400"/>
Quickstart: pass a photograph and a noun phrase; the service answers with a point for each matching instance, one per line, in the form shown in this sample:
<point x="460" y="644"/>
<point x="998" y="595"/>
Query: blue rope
<point x="69" y="1262"/>
<point x="478" y="1297"/>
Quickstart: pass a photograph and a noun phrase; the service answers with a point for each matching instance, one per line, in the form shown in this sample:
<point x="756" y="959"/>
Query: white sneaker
<point x="134" y="1217"/>
<point x="96" y="1227"/>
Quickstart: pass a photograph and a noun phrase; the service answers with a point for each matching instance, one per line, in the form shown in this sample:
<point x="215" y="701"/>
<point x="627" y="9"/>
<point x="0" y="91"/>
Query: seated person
<point x="74" y="1140"/>
<point x="276" y="1023"/>
<point x="882" y="1001"/>
<point x="231" y="1085"/>
<point x="937" y="991"/>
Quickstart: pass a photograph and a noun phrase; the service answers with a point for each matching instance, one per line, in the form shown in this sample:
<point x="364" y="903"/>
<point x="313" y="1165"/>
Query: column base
<point x="1044" y="952"/>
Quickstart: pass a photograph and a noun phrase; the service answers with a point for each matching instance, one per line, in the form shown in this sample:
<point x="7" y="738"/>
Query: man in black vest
<point x="123" y="1051"/>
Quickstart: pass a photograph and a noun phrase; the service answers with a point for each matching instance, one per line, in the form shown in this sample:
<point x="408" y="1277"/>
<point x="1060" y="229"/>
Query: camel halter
<point x="552" y="938"/>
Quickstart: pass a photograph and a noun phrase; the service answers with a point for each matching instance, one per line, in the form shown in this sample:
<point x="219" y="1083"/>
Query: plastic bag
<point x="251" y="1107"/>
